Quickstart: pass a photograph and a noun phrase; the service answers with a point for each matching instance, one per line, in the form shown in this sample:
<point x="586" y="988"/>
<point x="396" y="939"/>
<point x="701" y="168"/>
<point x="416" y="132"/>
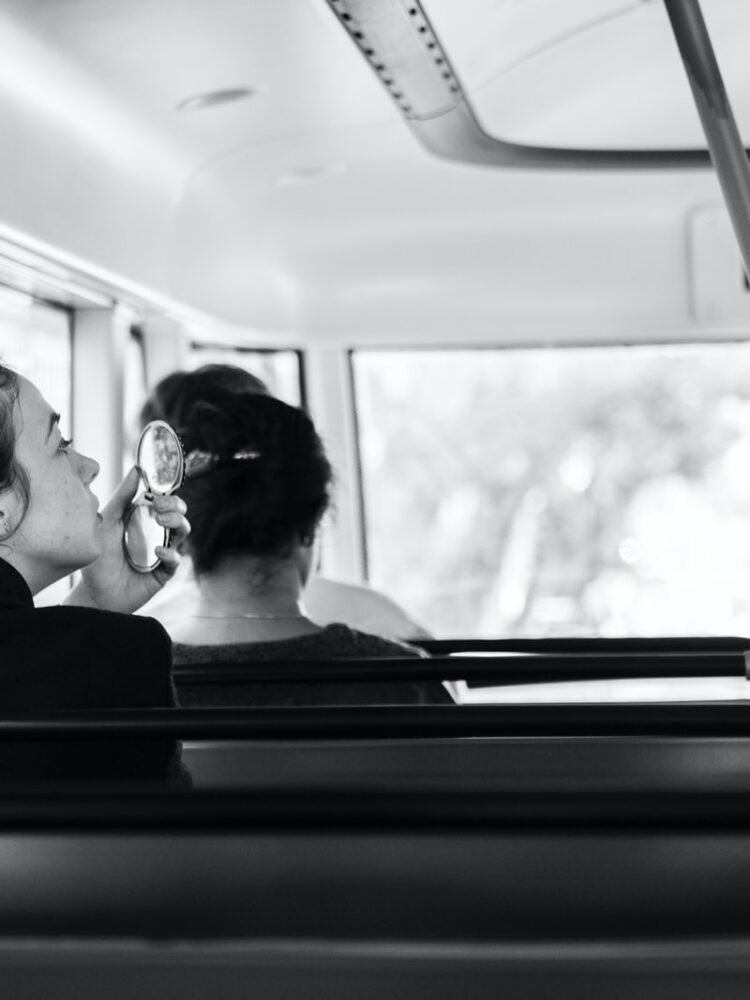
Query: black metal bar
<point x="657" y="645"/>
<point x="712" y="719"/>
<point x="712" y="101"/>
<point x="491" y="671"/>
<point x="434" y="811"/>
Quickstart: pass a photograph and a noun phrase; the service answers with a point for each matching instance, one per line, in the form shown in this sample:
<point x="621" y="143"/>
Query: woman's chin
<point x="91" y="552"/>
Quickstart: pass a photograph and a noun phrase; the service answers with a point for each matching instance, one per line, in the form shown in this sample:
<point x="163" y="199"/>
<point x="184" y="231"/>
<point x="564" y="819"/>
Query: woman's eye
<point x="65" y="443"/>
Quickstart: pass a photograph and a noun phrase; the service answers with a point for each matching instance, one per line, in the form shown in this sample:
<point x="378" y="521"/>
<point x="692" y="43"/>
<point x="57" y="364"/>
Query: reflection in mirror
<point x="159" y="457"/>
<point x="160" y="462"/>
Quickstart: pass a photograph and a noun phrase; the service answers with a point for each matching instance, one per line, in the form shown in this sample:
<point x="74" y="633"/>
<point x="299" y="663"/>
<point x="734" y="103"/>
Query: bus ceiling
<point x="301" y="211"/>
<point x="404" y="49"/>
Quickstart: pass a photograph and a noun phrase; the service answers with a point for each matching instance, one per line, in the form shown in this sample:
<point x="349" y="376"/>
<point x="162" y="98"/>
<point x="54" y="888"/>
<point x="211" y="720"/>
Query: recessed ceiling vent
<point x="215" y="97"/>
<point x="398" y="41"/>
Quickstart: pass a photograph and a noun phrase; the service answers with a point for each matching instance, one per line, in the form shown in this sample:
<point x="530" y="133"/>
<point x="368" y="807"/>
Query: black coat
<point x="60" y="658"/>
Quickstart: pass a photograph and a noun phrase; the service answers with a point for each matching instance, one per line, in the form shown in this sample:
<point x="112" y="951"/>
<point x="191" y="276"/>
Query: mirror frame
<point x="180" y="478"/>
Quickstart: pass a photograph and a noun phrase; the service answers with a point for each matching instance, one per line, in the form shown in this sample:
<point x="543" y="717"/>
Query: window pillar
<point x="99" y="339"/>
<point x="329" y="383"/>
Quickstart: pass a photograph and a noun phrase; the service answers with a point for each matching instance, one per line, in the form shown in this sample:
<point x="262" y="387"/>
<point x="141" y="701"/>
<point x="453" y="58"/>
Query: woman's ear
<point x="10" y="512"/>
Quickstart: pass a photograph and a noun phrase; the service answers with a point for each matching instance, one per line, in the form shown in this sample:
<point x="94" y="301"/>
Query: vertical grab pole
<point x="712" y="101"/>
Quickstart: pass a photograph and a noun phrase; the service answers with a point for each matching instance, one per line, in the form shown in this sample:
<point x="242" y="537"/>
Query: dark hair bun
<point x="261" y="505"/>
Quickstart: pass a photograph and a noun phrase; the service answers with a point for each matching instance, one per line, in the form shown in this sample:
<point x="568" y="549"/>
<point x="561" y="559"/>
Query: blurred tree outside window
<point x="566" y="491"/>
<point x="35" y="340"/>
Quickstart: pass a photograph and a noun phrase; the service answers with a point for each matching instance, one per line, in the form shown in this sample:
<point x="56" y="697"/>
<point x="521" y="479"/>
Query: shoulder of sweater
<point x="378" y="642"/>
<point x="110" y="624"/>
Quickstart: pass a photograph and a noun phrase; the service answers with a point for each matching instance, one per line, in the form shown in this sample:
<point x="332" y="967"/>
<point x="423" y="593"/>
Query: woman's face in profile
<point x="60" y="530"/>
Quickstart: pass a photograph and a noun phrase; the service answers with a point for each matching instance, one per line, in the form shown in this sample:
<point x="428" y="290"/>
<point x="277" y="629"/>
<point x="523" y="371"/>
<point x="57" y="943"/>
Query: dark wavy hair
<point x="12" y="474"/>
<point x="173" y="397"/>
<point x="260" y="506"/>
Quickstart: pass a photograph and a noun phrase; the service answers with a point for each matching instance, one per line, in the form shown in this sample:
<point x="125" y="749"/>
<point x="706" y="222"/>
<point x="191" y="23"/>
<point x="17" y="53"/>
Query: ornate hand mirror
<point x="161" y="465"/>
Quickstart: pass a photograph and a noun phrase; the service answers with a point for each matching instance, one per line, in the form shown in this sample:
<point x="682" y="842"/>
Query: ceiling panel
<point x="588" y="74"/>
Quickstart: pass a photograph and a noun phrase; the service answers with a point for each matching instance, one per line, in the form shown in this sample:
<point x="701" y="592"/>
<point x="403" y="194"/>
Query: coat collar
<point x="14" y="591"/>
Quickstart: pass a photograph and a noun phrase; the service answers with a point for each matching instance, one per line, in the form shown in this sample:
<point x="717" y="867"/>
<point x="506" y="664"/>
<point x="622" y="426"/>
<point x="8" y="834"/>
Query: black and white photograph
<point x="374" y="500"/>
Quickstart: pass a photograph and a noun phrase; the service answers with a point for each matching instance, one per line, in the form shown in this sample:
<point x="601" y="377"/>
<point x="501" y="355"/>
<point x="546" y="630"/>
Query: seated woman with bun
<point x="87" y="653"/>
<point x="326" y="600"/>
<point x="257" y="485"/>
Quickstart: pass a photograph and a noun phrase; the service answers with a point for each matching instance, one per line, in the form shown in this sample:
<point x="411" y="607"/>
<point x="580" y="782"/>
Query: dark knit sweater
<point x="333" y="642"/>
<point x="79" y="658"/>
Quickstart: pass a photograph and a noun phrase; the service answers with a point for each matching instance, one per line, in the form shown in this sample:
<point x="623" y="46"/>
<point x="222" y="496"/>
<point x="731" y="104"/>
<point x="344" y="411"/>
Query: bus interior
<point x="499" y="251"/>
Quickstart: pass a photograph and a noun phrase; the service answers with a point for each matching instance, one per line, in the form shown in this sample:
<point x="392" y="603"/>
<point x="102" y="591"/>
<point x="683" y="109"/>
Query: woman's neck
<point x="247" y="600"/>
<point x="250" y="585"/>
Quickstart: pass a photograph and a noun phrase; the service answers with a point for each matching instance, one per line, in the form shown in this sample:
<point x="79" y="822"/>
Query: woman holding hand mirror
<point x="85" y="653"/>
<point x="160" y="462"/>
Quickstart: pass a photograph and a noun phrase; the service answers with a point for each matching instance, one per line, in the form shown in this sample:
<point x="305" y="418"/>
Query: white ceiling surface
<point x="311" y="210"/>
<point x="591" y="73"/>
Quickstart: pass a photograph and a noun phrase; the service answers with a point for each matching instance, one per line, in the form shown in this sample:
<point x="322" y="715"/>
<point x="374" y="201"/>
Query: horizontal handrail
<point x="702" y="719"/>
<point x="549" y="811"/>
<point x="658" y="645"/>
<point x="503" y="669"/>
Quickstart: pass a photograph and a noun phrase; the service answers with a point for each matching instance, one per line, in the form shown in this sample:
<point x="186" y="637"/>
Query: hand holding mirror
<point x="161" y="466"/>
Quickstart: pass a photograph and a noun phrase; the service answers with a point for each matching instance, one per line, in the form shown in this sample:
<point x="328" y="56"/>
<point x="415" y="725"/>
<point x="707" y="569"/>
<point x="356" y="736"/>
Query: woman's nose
<point x="89" y="469"/>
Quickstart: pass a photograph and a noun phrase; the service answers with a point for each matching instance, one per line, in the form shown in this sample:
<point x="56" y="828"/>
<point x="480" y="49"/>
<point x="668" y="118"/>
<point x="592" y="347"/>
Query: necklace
<point x="262" y="617"/>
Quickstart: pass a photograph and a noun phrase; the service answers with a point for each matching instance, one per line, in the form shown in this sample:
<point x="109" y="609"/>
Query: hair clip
<point x="199" y="462"/>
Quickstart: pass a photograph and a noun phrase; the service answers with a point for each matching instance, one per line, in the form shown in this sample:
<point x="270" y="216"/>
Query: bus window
<point x="280" y="370"/>
<point x="35" y="339"/>
<point x="597" y="491"/>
